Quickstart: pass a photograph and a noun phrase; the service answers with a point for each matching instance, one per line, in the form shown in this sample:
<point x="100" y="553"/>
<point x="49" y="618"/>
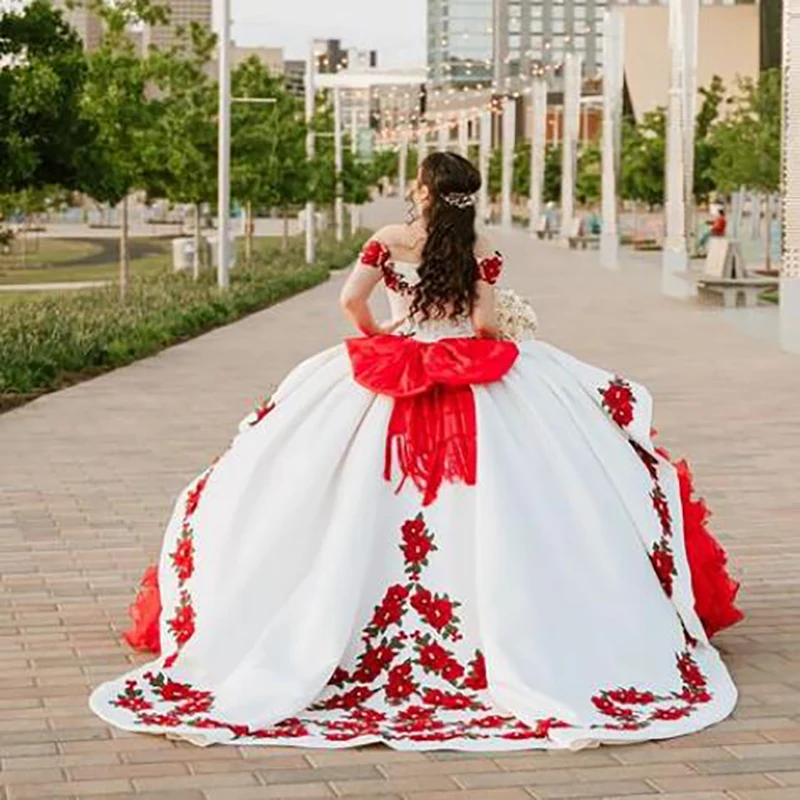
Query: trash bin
<point x="212" y="241"/>
<point x="182" y="254"/>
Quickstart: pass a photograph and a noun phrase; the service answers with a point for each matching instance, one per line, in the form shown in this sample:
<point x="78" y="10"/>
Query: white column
<point x="790" y="194"/>
<point x="680" y="135"/>
<point x="402" y="164"/>
<point x="224" y="148"/>
<point x="691" y="22"/>
<point x="483" y="164"/>
<point x="310" y="98"/>
<point x="613" y="76"/>
<point x="463" y="134"/>
<point x="443" y="134"/>
<point x="569" y="164"/>
<point x="355" y="221"/>
<point x="755" y="215"/>
<point x="538" y="145"/>
<point x="509" y="140"/>
<point x="338" y="157"/>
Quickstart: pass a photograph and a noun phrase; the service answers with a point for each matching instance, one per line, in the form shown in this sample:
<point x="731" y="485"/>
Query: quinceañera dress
<point x="435" y="541"/>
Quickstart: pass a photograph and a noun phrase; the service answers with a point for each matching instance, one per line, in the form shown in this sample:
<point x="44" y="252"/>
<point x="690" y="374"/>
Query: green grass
<point x="68" y="260"/>
<point x="59" y="339"/>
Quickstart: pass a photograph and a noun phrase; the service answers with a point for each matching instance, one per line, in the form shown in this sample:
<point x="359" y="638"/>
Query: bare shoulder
<point x="392" y="235"/>
<point x="484" y="247"/>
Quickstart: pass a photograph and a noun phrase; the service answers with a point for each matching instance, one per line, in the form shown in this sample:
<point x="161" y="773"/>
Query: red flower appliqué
<point x="182" y="624"/>
<point x="417" y="544"/>
<point x="489" y="268"/>
<point x="375" y="254"/>
<point x="262" y="412"/>
<point x="618" y="400"/>
<point x="664" y="565"/>
<point x="183" y="557"/>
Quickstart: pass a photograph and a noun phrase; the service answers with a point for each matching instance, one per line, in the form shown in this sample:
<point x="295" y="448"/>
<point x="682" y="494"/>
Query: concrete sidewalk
<point x="88" y="476"/>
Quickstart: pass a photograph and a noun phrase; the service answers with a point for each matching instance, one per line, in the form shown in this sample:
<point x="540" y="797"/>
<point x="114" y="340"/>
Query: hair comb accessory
<point x="460" y="200"/>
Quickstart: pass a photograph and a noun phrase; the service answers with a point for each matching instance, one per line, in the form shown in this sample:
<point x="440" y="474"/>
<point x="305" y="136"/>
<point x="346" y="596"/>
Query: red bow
<point x="433" y="420"/>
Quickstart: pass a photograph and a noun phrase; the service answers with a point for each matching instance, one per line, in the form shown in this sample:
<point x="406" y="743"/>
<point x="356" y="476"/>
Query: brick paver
<point x="88" y="477"/>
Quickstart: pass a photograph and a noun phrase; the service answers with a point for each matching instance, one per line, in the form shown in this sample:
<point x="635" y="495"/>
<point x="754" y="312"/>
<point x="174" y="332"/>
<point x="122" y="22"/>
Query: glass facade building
<point x="465" y="35"/>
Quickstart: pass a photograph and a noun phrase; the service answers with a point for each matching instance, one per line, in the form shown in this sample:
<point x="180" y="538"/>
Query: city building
<point x="294" y="74"/>
<point x="729" y="46"/>
<point x="182" y="14"/>
<point x="88" y="25"/>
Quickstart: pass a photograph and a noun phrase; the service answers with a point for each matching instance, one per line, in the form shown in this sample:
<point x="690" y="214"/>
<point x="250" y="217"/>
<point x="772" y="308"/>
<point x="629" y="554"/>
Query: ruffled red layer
<point x="714" y="589"/>
<point x="145" y="614"/>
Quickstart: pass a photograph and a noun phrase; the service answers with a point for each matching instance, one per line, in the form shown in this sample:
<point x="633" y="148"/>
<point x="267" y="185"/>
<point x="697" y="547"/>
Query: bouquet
<point x="516" y="318"/>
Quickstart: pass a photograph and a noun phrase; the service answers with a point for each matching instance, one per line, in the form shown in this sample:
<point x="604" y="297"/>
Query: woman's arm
<point x="354" y="298"/>
<point x="483" y="317"/>
<point x="490" y="266"/>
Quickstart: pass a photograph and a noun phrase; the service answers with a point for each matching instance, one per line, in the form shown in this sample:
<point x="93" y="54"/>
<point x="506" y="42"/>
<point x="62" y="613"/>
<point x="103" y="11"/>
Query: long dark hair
<point x="448" y="269"/>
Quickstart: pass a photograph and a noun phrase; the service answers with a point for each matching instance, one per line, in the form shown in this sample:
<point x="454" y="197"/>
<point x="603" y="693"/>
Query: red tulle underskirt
<point x="714" y="589"/>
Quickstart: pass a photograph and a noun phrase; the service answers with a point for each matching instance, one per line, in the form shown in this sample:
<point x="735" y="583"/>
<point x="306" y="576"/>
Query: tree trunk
<point x="285" y="238"/>
<point x="249" y="229"/>
<point x="197" y="263"/>
<point x="124" y="265"/>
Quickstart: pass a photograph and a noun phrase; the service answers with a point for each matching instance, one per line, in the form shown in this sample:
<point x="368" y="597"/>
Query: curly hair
<point x="448" y="270"/>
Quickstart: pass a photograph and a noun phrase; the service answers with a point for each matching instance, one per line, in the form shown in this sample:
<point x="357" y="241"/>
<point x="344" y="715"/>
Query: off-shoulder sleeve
<point x="375" y="254"/>
<point x="490" y="267"/>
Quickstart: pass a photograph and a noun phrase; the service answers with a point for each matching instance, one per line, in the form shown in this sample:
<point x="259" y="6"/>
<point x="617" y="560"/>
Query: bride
<point x="434" y="536"/>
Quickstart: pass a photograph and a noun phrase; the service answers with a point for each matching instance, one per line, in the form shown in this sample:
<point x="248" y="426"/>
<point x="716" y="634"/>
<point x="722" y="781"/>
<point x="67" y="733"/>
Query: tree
<point x="116" y="103"/>
<point x="181" y="157"/>
<point x="748" y="142"/>
<point x="588" y="182"/>
<point x="43" y="69"/>
<point x="705" y="150"/>
<point x="269" y="164"/>
<point x="643" y="158"/>
<point x="552" y="173"/>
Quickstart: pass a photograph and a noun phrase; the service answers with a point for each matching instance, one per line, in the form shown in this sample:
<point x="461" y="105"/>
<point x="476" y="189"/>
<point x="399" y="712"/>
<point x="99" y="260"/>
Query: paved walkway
<point x="88" y="476"/>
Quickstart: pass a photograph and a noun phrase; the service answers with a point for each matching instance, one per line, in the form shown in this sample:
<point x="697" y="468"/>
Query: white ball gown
<point x="436" y="542"/>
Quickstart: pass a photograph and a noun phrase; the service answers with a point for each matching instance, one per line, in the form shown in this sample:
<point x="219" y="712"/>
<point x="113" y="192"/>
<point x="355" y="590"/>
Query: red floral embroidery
<point x="618" y="400"/>
<point x="375" y="254"/>
<point x="417" y="544"/>
<point x="193" y="498"/>
<point x="406" y="670"/>
<point x="182" y="624"/>
<point x="262" y="412"/>
<point x="489" y="268"/>
<point x="183" y="557"/>
<point x="664" y="564"/>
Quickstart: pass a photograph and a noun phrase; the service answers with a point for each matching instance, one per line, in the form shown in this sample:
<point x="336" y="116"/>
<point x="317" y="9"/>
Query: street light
<point x="224" y="149"/>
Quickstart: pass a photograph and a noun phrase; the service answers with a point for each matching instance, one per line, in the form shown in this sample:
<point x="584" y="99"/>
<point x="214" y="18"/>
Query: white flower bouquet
<point x="516" y="318"/>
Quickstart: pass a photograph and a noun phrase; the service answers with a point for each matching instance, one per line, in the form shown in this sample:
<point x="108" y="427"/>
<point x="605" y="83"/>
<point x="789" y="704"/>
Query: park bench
<point x="578" y="239"/>
<point x="725" y="274"/>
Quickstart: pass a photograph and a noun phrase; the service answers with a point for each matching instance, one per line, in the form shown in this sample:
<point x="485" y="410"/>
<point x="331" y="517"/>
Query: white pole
<point x="790" y="194"/>
<point x="422" y="141"/>
<point x="483" y="164"/>
<point x="691" y="22"/>
<point x="338" y="157"/>
<point x="443" y="135"/>
<point x="509" y="134"/>
<point x="224" y="148"/>
<point x="755" y="215"/>
<point x="676" y="258"/>
<point x="310" y="98"/>
<point x="403" y="164"/>
<point x="538" y="145"/>
<point x="572" y="99"/>
<point x="613" y="71"/>
<point x="463" y="134"/>
<point x="355" y="222"/>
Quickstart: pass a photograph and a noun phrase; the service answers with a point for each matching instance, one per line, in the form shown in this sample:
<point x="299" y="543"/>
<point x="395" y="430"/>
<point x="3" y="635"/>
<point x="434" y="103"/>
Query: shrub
<point x="54" y="341"/>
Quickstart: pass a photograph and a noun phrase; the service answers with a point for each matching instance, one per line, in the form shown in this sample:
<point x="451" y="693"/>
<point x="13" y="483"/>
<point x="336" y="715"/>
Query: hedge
<point x="58" y="340"/>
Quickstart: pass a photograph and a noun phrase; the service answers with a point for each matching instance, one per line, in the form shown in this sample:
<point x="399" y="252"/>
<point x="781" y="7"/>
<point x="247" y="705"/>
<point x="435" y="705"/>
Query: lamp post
<point x="509" y="135"/>
<point x="573" y="70"/>
<point x="224" y="149"/>
<point x="538" y="146"/>
<point x="310" y="103"/>
<point x="338" y="157"/>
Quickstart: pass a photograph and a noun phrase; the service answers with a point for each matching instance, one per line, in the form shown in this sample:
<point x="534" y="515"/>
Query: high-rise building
<point x="87" y="24"/>
<point x="182" y="14"/>
<point x="470" y="41"/>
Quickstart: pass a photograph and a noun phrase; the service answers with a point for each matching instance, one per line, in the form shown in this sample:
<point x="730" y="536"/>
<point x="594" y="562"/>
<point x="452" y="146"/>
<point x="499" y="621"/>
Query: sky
<point x="395" y="29"/>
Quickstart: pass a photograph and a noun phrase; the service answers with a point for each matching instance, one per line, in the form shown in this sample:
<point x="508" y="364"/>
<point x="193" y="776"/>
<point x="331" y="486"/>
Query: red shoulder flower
<point x="375" y="254"/>
<point x="489" y="268"/>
